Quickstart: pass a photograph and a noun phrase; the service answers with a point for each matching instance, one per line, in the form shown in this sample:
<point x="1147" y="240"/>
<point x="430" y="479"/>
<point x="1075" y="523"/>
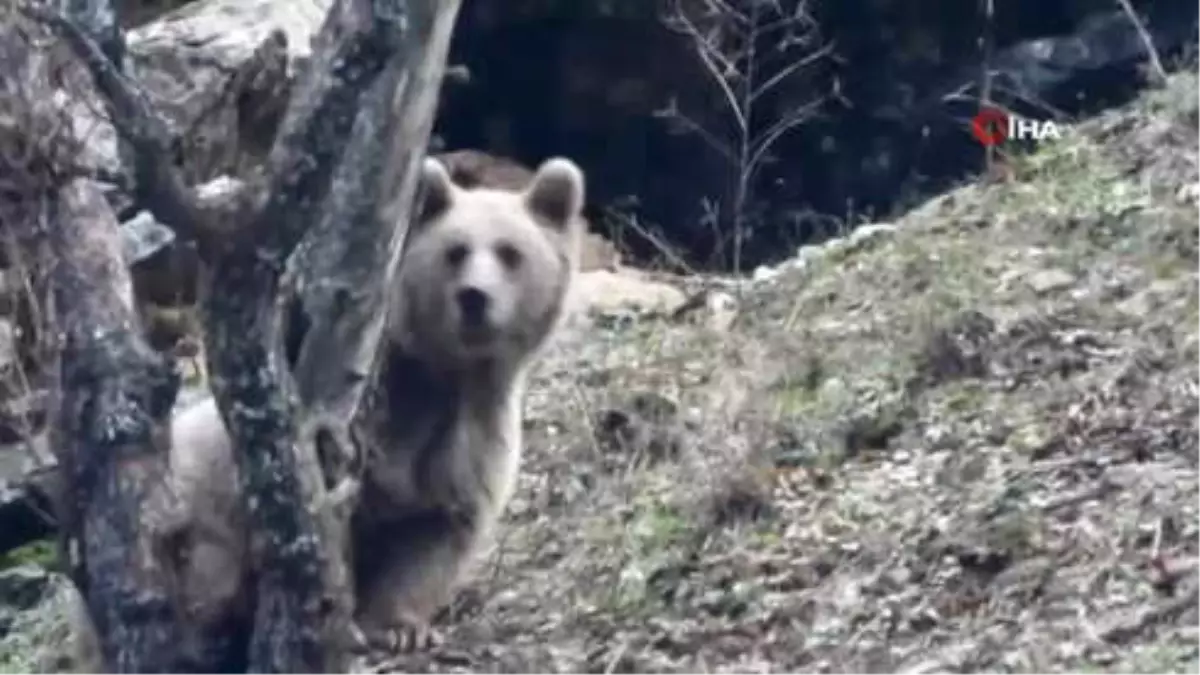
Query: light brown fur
<point x="211" y="546"/>
<point x="448" y="410"/>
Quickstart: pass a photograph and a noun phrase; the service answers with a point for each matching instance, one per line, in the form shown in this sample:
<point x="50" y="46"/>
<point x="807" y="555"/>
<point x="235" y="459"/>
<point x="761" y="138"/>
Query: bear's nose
<point x="472" y="302"/>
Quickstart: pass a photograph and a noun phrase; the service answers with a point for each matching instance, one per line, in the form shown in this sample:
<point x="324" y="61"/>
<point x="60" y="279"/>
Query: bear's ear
<point x="436" y="192"/>
<point x="556" y="192"/>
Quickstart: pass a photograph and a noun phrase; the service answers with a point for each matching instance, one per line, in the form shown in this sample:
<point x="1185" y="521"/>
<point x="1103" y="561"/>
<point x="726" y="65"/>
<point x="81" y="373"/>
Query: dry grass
<point x="969" y="445"/>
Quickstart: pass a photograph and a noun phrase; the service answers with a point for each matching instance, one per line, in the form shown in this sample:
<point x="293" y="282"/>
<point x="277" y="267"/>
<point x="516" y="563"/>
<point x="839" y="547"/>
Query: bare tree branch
<point x="741" y="44"/>
<point x="111" y="395"/>
<point x="711" y="139"/>
<point x="789" y="70"/>
<point x="158" y="184"/>
<point x="720" y="8"/>
<point x="320" y="116"/>
<point x="98" y="19"/>
<point x="1156" y="65"/>
<point x="774" y="132"/>
<point x="708" y="56"/>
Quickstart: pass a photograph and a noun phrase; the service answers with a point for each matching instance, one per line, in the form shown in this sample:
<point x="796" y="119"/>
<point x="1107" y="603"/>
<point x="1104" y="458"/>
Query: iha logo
<point x="993" y="126"/>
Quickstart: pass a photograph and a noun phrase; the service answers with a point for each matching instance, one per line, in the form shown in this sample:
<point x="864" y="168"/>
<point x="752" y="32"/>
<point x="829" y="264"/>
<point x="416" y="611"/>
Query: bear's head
<point x="485" y="273"/>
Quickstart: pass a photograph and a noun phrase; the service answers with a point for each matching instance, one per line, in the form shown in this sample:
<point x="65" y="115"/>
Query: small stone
<point x="722" y="310"/>
<point x="1189" y="193"/>
<point x="606" y="292"/>
<point x="1046" y="281"/>
<point x="763" y="273"/>
<point x="142" y="236"/>
<point x="869" y="232"/>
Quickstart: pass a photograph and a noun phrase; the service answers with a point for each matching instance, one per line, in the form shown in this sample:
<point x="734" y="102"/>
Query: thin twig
<point x="158" y="183"/>
<point x="650" y="237"/>
<point x="731" y="48"/>
<point x="1160" y="73"/>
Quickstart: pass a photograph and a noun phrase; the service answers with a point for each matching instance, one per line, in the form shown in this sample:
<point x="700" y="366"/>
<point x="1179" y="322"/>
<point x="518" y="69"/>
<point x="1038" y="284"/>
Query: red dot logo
<point x="990" y="126"/>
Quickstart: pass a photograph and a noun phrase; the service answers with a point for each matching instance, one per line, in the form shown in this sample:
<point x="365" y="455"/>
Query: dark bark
<point x="375" y="70"/>
<point x="111" y="394"/>
<point x="116" y="402"/>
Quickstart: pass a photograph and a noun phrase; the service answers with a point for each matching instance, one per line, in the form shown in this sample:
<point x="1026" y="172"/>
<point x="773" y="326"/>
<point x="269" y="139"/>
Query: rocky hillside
<point x="965" y="440"/>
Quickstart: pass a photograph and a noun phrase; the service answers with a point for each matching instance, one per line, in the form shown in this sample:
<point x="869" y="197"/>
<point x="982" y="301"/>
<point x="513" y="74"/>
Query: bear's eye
<point x="509" y="256"/>
<point x="456" y="254"/>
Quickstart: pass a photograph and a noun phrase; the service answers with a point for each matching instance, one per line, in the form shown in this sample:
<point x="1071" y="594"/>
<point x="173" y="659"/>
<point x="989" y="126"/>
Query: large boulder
<point x="36" y="631"/>
<point x="219" y="71"/>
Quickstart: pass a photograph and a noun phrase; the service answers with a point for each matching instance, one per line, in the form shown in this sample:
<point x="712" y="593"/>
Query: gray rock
<point x="1046" y="281"/>
<point x="23" y="586"/>
<point x="219" y="72"/>
<point x="39" y="638"/>
<point x="142" y="236"/>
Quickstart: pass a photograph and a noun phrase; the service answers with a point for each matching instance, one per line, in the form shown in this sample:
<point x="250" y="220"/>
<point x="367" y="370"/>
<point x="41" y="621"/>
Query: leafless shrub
<point x="751" y="51"/>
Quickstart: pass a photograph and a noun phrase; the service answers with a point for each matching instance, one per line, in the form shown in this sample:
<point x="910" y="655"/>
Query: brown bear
<point x="480" y="288"/>
<point x="212" y="540"/>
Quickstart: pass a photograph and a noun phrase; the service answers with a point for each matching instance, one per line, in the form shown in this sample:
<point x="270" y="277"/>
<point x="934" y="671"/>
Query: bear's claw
<point x="408" y="637"/>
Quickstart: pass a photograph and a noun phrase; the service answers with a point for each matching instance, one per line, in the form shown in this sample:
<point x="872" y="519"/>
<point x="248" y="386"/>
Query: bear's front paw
<point x="407" y="635"/>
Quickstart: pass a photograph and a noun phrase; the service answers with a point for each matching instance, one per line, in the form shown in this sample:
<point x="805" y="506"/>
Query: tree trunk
<point x="115" y="405"/>
<point x="374" y="74"/>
